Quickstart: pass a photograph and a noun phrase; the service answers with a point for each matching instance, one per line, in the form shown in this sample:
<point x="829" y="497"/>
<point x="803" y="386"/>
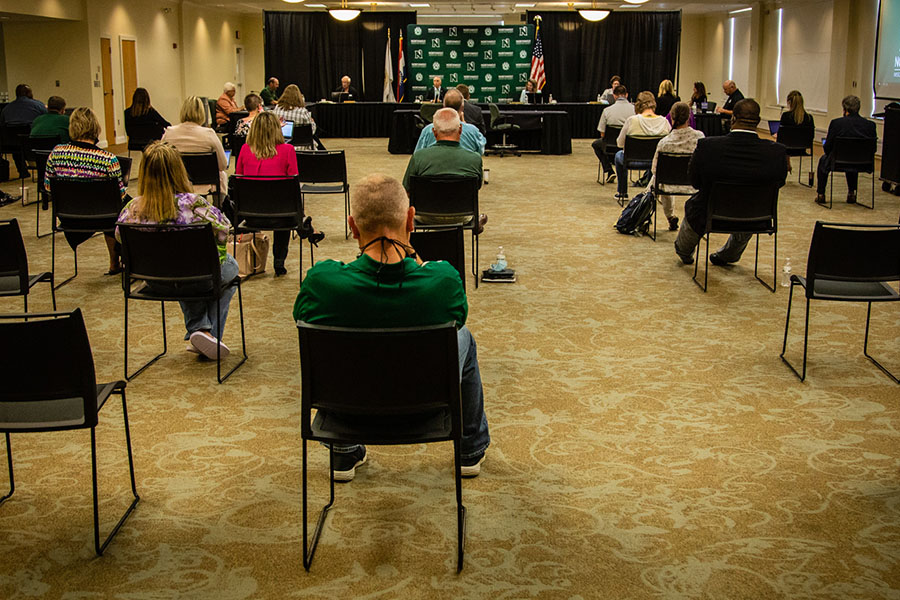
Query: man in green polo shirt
<point x="55" y="122"/>
<point x="446" y="157"/>
<point x="389" y="286"/>
<point x="269" y="94"/>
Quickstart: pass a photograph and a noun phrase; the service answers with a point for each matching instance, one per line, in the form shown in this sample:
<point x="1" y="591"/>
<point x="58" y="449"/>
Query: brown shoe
<point x="851" y="197"/>
<point x="482" y="220"/>
<point x="820" y="199"/>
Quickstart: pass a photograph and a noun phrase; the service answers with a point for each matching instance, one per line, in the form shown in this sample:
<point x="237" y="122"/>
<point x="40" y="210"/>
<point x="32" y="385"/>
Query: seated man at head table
<point x="734" y="96"/>
<point x="436" y="92"/>
<point x="389" y="286"/>
<point x="346" y="88"/>
<point x="739" y="157"/>
<point x="471" y="138"/>
<point x="850" y="125"/>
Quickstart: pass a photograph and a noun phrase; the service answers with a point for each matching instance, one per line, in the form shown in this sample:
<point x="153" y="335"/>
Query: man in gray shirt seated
<point x="615" y="115"/>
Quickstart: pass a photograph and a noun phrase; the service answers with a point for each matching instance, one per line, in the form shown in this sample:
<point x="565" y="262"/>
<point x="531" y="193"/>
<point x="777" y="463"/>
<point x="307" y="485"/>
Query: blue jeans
<point x="622" y="173"/>
<point x="475" y="435"/>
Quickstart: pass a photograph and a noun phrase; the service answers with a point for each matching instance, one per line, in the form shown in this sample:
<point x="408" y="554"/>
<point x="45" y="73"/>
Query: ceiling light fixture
<point x="592" y="13"/>
<point x="635" y="1"/>
<point x="293" y="1"/>
<point x="419" y="5"/>
<point x="525" y="5"/>
<point x="343" y="13"/>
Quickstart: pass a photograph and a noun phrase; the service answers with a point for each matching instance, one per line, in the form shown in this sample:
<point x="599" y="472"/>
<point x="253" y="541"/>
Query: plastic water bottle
<point x="786" y="273"/>
<point x="501" y="264"/>
<point x="551" y="99"/>
<point x="599" y="97"/>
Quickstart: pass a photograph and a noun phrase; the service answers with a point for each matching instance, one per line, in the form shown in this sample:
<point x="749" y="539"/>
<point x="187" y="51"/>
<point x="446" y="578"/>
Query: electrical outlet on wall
<point x="57" y="83"/>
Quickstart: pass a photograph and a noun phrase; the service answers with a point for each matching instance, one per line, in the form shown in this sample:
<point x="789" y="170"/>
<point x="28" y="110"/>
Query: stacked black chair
<point x="853" y="155"/>
<point x="441" y="244"/>
<point x="174" y="256"/>
<point x="325" y="172"/>
<point x="742" y="208"/>
<point x="15" y="280"/>
<point x="49" y="384"/>
<point x="422" y="406"/>
<point x="848" y="262"/>
<point x="671" y="169"/>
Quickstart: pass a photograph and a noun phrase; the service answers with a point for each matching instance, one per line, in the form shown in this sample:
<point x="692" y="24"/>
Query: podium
<point x="890" y="149"/>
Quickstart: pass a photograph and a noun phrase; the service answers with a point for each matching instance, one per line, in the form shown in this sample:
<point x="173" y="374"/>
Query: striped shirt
<point x="83" y="161"/>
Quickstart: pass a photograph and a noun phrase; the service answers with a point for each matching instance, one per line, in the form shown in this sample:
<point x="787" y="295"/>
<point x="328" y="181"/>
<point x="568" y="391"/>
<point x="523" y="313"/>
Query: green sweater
<point x="52" y="124"/>
<point x="403" y="294"/>
<point x="268" y="96"/>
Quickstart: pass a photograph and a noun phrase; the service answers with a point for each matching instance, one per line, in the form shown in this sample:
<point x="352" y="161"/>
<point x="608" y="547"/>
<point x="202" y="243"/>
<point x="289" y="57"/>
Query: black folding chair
<point x="848" y="262"/>
<point x="442" y="244"/>
<point x="203" y="169"/>
<point x="610" y="139"/>
<point x="671" y="169"/>
<point x="268" y="204"/>
<point x="742" y="208"/>
<point x="422" y="406"/>
<point x="853" y="155"/>
<point x="303" y="136"/>
<point x="798" y="141"/>
<point x="30" y="146"/>
<point x="169" y="257"/>
<point x="82" y="205"/>
<point x="40" y="159"/>
<point x="141" y="134"/>
<point x="14" y="277"/>
<point x="49" y="385"/>
<point x="639" y="151"/>
<point x="325" y="172"/>
<point x="443" y="202"/>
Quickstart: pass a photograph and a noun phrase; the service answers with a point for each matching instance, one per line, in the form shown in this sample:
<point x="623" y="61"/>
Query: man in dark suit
<point x="435" y="93"/>
<point x="472" y="112"/>
<point x="851" y="125"/>
<point x="739" y="157"/>
<point x="734" y="96"/>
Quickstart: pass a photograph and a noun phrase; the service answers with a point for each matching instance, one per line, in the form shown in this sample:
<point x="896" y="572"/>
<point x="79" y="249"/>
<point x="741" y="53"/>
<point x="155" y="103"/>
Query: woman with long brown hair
<point x="292" y="107"/>
<point x="141" y="112"/>
<point x="796" y="112"/>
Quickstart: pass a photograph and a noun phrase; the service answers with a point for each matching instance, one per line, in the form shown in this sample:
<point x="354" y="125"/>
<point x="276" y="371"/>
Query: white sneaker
<point x="206" y="345"/>
<point x="190" y="348"/>
<point x="471" y="467"/>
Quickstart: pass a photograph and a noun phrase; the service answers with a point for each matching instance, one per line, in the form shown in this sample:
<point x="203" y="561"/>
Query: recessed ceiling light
<point x="419" y="5"/>
<point x="635" y="1"/>
<point x="288" y="1"/>
<point x="315" y="5"/>
<point x="734" y="12"/>
<point x="525" y="5"/>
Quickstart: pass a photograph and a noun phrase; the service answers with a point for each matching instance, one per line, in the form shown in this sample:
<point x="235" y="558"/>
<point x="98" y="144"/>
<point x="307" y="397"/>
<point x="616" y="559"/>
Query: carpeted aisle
<point x="647" y="440"/>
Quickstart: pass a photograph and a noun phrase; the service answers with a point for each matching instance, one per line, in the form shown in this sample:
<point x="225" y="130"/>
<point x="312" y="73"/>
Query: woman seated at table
<point x="644" y="122"/>
<point x="81" y="158"/>
<point x="292" y="107"/>
<point x="166" y="197"/>
<point x="530" y="87"/>
<point x="192" y="135"/>
<point x="266" y="154"/>
<point x="698" y="98"/>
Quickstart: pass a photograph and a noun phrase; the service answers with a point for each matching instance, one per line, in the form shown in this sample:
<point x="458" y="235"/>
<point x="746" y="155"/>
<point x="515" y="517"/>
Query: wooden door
<point x="109" y="110"/>
<point x="129" y="69"/>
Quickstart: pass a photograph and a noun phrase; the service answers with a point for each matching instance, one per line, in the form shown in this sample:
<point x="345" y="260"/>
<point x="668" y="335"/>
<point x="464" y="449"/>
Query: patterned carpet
<point x="647" y="440"/>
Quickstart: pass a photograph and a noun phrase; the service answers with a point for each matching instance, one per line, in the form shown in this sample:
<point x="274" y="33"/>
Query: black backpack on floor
<point x="635" y="217"/>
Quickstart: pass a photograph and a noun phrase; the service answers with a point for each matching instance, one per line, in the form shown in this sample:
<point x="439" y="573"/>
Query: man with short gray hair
<point x="447" y="157"/>
<point x="470" y="137"/>
<point x="851" y="125"/>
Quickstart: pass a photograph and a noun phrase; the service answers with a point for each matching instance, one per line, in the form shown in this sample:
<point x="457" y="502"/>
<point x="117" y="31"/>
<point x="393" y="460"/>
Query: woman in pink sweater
<point x="265" y="153"/>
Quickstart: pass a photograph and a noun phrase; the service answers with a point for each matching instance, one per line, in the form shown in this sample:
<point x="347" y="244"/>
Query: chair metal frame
<point x="874" y="261"/>
<point x="610" y="136"/>
<point x="40" y="159"/>
<point x="846" y="154"/>
<point x="423" y="408"/>
<point x="671" y="169"/>
<point x="741" y="217"/>
<point x="439" y="196"/>
<point x="320" y="167"/>
<point x="12" y="250"/>
<point x="798" y="140"/>
<point x="73" y="335"/>
<point x="190" y="269"/>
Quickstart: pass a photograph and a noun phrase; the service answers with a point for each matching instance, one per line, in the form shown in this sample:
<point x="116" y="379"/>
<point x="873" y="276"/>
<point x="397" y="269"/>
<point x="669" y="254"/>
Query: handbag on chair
<point x="251" y="254"/>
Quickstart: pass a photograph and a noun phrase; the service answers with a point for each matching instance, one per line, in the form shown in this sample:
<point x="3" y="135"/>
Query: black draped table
<point x="712" y="124"/>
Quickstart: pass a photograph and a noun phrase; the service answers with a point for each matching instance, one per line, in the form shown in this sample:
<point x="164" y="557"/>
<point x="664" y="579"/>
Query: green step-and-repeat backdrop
<point x="494" y="61"/>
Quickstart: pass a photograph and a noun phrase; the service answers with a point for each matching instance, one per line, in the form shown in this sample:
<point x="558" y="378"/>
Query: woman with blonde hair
<point x="267" y="155"/>
<point x="192" y="135"/>
<point x="82" y="158"/>
<point x="292" y="107"/>
<point x="796" y="113"/>
<point x="665" y="98"/>
<point x="165" y="197"/>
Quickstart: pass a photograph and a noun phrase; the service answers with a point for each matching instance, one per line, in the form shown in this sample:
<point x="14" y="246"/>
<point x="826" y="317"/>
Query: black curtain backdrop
<point x="581" y="56"/>
<point x="314" y="50"/>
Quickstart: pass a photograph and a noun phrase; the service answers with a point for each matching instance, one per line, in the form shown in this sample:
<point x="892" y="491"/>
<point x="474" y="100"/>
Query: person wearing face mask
<point x="389" y="286"/>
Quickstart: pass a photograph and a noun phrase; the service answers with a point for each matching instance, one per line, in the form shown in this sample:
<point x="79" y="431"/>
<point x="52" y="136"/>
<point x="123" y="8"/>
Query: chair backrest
<point x="427" y="110"/>
<point x="610" y="136"/>
<point x="48" y="373"/>
<point x="11" y="137"/>
<point x="202" y="167"/>
<point x="796" y="137"/>
<point x="125" y="164"/>
<point x="388" y="390"/>
<point x="174" y="254"/>
<point x="444" y="196"/>
<point x="38" y="142"/>
<point x="303" y="135"/>
<point x="640" y="147"/>
<point x="495" y="113"/>
<point x="322" y="166"/>
<point x="672" y="168"/>
<point x="854" y="153"/>
<point x="853" y="252"/>
<point x="211" y="112"/>
<point x="259" y="198"/>
<point x="13" y="260"/>
<point x="742" y="208"/>
<point x="141" y="134"/>
<point x="85" y="204"/>
<point x="442" y="244"/>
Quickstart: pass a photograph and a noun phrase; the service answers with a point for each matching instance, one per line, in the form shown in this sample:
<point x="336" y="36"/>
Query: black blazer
<point x="737" y="157"/>
<point x="150" y="118"/>
<point x="431" y="96"/>
<point x="733" y="99"/>
<point x="473" y="115"/>
<point x="851" y="126"/>
<point x="787" y="118"/>
<point x="664" y="104"/>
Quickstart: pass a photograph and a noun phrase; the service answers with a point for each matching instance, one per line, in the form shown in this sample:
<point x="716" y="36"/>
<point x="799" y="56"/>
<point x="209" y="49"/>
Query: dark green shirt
<point x="445" y="158"/>
<point x="268" y="96"/>
<point x="367" y="293"/>
<point x="51" y="124"/>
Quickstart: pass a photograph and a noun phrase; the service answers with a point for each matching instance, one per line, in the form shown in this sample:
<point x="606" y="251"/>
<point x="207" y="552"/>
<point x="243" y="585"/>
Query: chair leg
<point x="162" y="307"/>
<point x="12" y="479"/>
<point x="697" y="264"/>
<point x="774" y="272"/>
<point x="865" y="349"/>
<point x="475" y="254"/>
<point x="460" y="509"/>
<point x="53" y="262"/>
<point x="831" y="190"/>
<point x="37" y="219"/>
<point x="309" y="546"/>
<point x="787" y="321"/>
<point x="243" y="340"/>
<point x="871" y="206"/>
<point x="100" y="548"/>
<point x="653" y="237"/>
<point x="346" y="214"/>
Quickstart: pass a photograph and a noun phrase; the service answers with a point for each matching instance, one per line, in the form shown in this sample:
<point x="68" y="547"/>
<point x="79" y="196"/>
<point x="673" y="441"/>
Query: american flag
<point x="537" y="59"/>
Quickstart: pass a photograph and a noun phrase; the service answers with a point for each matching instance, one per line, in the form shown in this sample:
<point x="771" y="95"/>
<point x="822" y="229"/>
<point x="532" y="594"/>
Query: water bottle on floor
<point x="786" y="273"/>
<point x="501" y="264"/>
